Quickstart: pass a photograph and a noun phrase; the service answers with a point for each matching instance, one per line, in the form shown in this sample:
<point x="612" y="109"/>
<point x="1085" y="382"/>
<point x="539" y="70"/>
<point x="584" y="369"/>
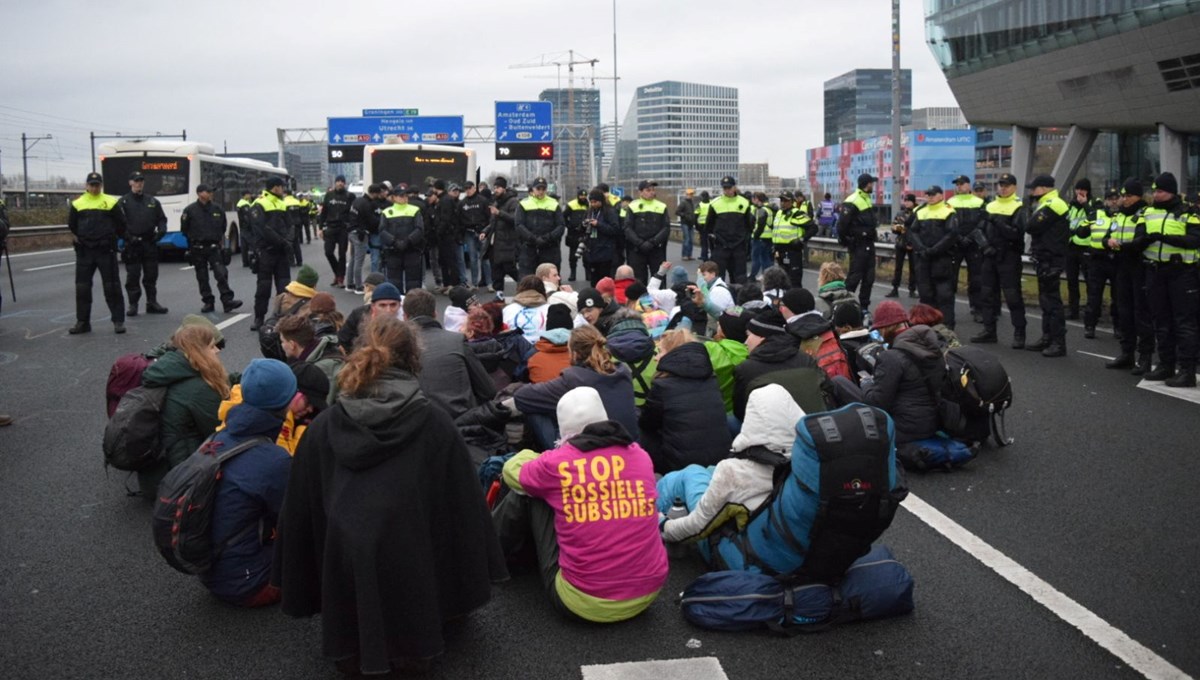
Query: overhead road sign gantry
<point x="347" y="136"/>
<point x="524" y="122"/>
<point x="368" y="113"/>
<point x="525" y="152"/>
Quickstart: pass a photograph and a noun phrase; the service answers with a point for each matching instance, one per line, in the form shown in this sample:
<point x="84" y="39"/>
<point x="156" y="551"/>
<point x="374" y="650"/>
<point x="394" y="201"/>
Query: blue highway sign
<point x="413" y="129"/>
<point x="391" y="112"/>
<point x="524" y="122"/>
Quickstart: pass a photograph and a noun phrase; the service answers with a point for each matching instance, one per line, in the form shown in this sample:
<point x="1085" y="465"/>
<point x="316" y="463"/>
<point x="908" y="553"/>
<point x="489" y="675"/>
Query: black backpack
<point x="182" y="517"/>
<point x="268" y="335"/>
<point x="133" y="435"/>
<point x="978" y="383"/>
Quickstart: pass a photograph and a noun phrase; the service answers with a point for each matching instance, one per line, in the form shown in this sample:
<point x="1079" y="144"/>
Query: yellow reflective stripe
<point x="1159" y="221"/>
<point x="401" y="210"/>
<point x="544" y="203"/>
<point x="1004" y="206"/>
<point x="938" y="211"/>
<point x="725" y="204"/>
<point x="90" y="202"/>
<point x="641" y="206"/>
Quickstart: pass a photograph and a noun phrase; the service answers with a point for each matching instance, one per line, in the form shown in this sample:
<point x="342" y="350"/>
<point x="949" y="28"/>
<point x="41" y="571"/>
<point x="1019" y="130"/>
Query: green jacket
<point x="725" y="356"/>
<point x="189" y="413"/>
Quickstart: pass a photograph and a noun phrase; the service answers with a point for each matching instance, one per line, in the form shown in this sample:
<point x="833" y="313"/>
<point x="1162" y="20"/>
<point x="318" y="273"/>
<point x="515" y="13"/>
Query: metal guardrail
<point x="38" y="231"/>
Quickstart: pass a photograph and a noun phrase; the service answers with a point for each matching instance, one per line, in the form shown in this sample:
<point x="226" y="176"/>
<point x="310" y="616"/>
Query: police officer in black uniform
<point x="901" y="224"/>
<point x="273" y="234"/>
<point x="1050" y="228"/>
<point x="96" y="223"/>
<point x="574" y="214"/>
<point x="203" y="224"/>
<point x="335" y="221"/>
<point x="145" y="224"/>
<point x="856" y="230"/>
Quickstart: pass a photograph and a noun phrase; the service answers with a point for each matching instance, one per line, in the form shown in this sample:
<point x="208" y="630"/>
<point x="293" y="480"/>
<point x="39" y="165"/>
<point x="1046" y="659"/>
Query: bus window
<point x="165" y="175"/>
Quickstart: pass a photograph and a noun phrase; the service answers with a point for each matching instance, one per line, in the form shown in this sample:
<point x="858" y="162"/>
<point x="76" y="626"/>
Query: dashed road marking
<point x="1098" y="356"/>
<point x="42" y="252"/>
<point x="50" y="266"/>
<point x="232" y="320"/>
<point x="702" y="668"/>
<point x="1132" y="652"/>
<point x="1191" y="394"/>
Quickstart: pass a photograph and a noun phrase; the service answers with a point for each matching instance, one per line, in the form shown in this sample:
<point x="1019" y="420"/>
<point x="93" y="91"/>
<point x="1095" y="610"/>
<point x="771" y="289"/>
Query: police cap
<point x="1041" y="181"/>
<point x="787" y="196"/>
<point x="962" y="179"/>
<point x="274" y="181"/>
<point x="646" y="184"/>
<point x="933" y="190"/>
<point x="865" y="179"/>
<point x="728" y="181"/>
<point x="1007" y="178"/>
<point x="137" y="176"/>
<point x="93" y="178"/>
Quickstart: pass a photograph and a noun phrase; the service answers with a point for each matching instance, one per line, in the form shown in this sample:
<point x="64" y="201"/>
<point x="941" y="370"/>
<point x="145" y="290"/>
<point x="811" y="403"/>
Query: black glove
<point x="1153" y="237"/>
<point x="989" y="251"/>
<point x="400" y="245"/>
<point x="1083" y="231"/>
<point x="646" y="247"/>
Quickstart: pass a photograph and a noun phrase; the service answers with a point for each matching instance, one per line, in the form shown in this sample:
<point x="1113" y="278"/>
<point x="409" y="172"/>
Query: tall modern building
<point x="1131" y="67"/>
<point x="680" y="135"/>
<point x="858" y="104"/>
<point x="577" y="150"/>
<point x="608" y="146"/>
<point x="939" y="118"/>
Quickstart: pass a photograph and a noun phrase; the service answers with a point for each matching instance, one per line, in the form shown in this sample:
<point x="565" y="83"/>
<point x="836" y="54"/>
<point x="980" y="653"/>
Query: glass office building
<point x="858" y="104"/>
<point x="1128" y="67"/>
<point x="577" y="150"/>
<point x="680" y="135"/>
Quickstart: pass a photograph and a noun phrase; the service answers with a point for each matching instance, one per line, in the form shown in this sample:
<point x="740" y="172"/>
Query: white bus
<point x="417" y="164"/>
<point x="174" y="169"/>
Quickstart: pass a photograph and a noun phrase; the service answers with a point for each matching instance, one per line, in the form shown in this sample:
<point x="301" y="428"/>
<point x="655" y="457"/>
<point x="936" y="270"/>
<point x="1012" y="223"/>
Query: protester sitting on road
<point x="831" y="289"/>
<point x="556" y="292"/>
<point x="607" y="288"/>
<point x="452" y="377"/>
<point x="797" y="301"/>
<point x="310" y="399"/>
<point x="640" y="302"/>
<point x="599" y="311"/>
<point x="384" y="531"/>
<point x="592" y="366"/>
<point x="359" y="315"/>
<point x="504" y="354"/>
<point x="462" y="301"/>
<point x="727" y="350"/>
<point x="552" y="355"/>
<point x="776" y="282"/>
<point x="527" y="311"/>
<point x="196" y="383"/>
<point x="737" y="485"/>
<point x="818" y="340"/>
<point x="599" y="560"/>
<point x="302" y="345"/>
<point x="622" y="280"/>
<point x="775" y="358"/>
<point x="295" y="296"/>
<point x="907" y="377"/>
<point x="922" y="314"/>
<point x="325" y="318"/>
<point x="683" y="420"/>
<point x="666" y="284"/>
<point x="712" y="293"/>
<point x="250" y="488"/>
<point x="750" y="297"/>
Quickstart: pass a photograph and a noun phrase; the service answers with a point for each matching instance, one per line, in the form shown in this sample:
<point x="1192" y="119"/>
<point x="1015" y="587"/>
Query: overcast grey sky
<point x="235" y="71"/>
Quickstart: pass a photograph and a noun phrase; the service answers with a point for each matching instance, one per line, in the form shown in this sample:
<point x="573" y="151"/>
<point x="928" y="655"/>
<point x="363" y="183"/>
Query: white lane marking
<point x="1191" y="394"/>
<point x="190" y="266"/>
<point x="50" y="266"/>
<point x="1132" y="652"/>
<point x="1098" y="356"/>
<point x="701" y="668"/>
<point x="232" y="320"/>
<point x="42" y="252"/>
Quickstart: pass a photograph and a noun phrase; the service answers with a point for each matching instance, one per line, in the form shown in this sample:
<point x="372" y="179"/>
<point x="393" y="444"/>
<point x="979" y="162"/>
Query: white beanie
<point x="577" y="409"/>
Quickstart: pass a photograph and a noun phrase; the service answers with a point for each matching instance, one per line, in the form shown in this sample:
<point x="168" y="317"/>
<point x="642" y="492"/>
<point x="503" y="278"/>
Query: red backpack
<point x="125" y="375"/>
<point x="831" y="357"/>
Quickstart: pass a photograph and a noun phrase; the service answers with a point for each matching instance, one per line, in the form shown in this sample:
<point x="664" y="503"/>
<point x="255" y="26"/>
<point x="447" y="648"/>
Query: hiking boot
<point x="1018" y="339"/>
<point x="912" y="294"/>
<point x="231" y="305"/>
<point x="987" y="337"/>
<point x="118" y="328"/>
<point x="894" y="294"/>
<point x="1142" y="367"/>
<point x="1055" y="349"/>
<point x="1089" y="332"/>
<point x="80" y="327"/>
<point x="1186" y="377"/>
<point x="1161" y="372"/>
<point x="1123" y="360"/>
<point x="132" y="311"/>
<point x="152" y="307"/>
<point x="208" y="307"/>
<point x="258" y="321"/>
<point x="1040" y="345"/>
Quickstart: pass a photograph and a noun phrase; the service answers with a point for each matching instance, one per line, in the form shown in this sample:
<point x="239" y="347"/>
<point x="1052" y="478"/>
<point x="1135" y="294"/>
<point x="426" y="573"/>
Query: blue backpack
<point x="875" y="586"/>
<point x="939" y="452"/>
<point x="836" y="496"/>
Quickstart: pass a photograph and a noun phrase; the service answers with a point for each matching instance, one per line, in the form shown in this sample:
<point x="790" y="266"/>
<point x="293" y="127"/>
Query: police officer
<point x="245" y="233"/>
<point x="364" y="235"/>
<point x="1170" y="238"/>
<point x="789" y="235"/>
<point x="968" y="208"/>
<point x="335" y="224"/>
<point x="474" y="216"/>
<point x="145" y="224"/>
<point x="702" y="226"/>
<point x="96" y="223"/>
<point x="307" y="213"/>
<point x="935" y="238"/>
<point x="274" y="238"/>
<point x="1082" y="211"/>
<point x="574" y="214"/>
<point x="900" y="225"/>
<point x="540" y="229"/>
<point x="647" y="228"/>
<point x="1101" y="265"/>
<point x="856" y="230"/>
<point x="729" y="222"/>
<point x="1133" y="318"/>
<point x="1000" y="263"/>
<point x="295" y="220"/>
<point x="203" y="224"/>
<point x="686" y="214"/>
<point x="402" y="240"/>
<point x="1050" y="228"/>
<point x="762" y="237"/>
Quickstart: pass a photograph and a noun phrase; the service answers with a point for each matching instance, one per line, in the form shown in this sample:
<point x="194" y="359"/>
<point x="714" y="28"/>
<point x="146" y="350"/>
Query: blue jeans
<point x="687" y="239"/>
<point x="460" y="262"/>
<point x="376" y="254"/>
<point x="760" y="256"/>
<point x="481" y="270"/>
<point x="543" y="428"/>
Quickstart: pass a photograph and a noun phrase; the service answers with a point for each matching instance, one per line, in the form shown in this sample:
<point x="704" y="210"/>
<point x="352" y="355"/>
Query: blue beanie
<point x="677" y="276"/>
<point x="386" y="291"/>
<point x="268" y="384"/>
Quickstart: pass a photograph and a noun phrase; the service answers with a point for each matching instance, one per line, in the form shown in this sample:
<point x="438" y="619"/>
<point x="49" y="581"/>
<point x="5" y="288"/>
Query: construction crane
<point x="569" y="59"/>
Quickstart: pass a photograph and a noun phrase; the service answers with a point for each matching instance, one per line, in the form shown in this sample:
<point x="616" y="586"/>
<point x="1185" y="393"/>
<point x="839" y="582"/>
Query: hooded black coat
<point x="779" y="361"/>
<point x="384" y="530"/>
<point x="683" y="421"/>
<point x="902" y="379"/>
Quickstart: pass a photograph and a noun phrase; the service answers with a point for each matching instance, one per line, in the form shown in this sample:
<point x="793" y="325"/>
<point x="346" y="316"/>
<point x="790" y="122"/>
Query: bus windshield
<point x="165" y="175"/>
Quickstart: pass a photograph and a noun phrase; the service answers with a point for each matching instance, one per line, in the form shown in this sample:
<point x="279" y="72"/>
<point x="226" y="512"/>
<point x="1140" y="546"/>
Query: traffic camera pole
<point x="897" y="147"/>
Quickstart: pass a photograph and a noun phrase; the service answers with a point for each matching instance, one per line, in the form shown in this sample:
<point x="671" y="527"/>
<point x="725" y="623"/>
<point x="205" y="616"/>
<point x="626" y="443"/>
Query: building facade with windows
<point x="858" y="104"/>
<point x="1128" y="67"/>
<point x="680" y="135"/>
<point x="577" y="149"/>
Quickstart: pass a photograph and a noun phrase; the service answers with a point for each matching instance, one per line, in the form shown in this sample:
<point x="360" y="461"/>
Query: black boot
<point x="1089" y="332"/>
<point x="1040" y="345"/>
<point x="1123" y="360"/>
<point x="1018" y="339"/>
<point x="133" y="309"/>
<point x="152" y="307"/>
<point x="988" y="336"/>
<point x="208" y="307"/>
<point x="1142" y="367"/>
<point x="912" y="294"/>
<point x="118" y="328"/>
<point x="1186" y="377"/>
<point x="1163" y="371"/>
<point x="1057" y="348"/>
<point x="231" y="305"/>
<point x="80" y="327"/>
<point x="572" y="277"/>
<point x="894" y="294"/>
<point x="258" y="321"/>
<point x="1073" y="314"/>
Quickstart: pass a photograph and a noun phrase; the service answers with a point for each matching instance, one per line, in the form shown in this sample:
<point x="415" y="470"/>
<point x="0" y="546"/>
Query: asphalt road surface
<point x="1069" y="555"/>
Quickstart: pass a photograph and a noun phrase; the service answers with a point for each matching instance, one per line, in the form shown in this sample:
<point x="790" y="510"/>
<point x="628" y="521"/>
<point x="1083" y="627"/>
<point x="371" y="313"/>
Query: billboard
<point x="928" y="157"/>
